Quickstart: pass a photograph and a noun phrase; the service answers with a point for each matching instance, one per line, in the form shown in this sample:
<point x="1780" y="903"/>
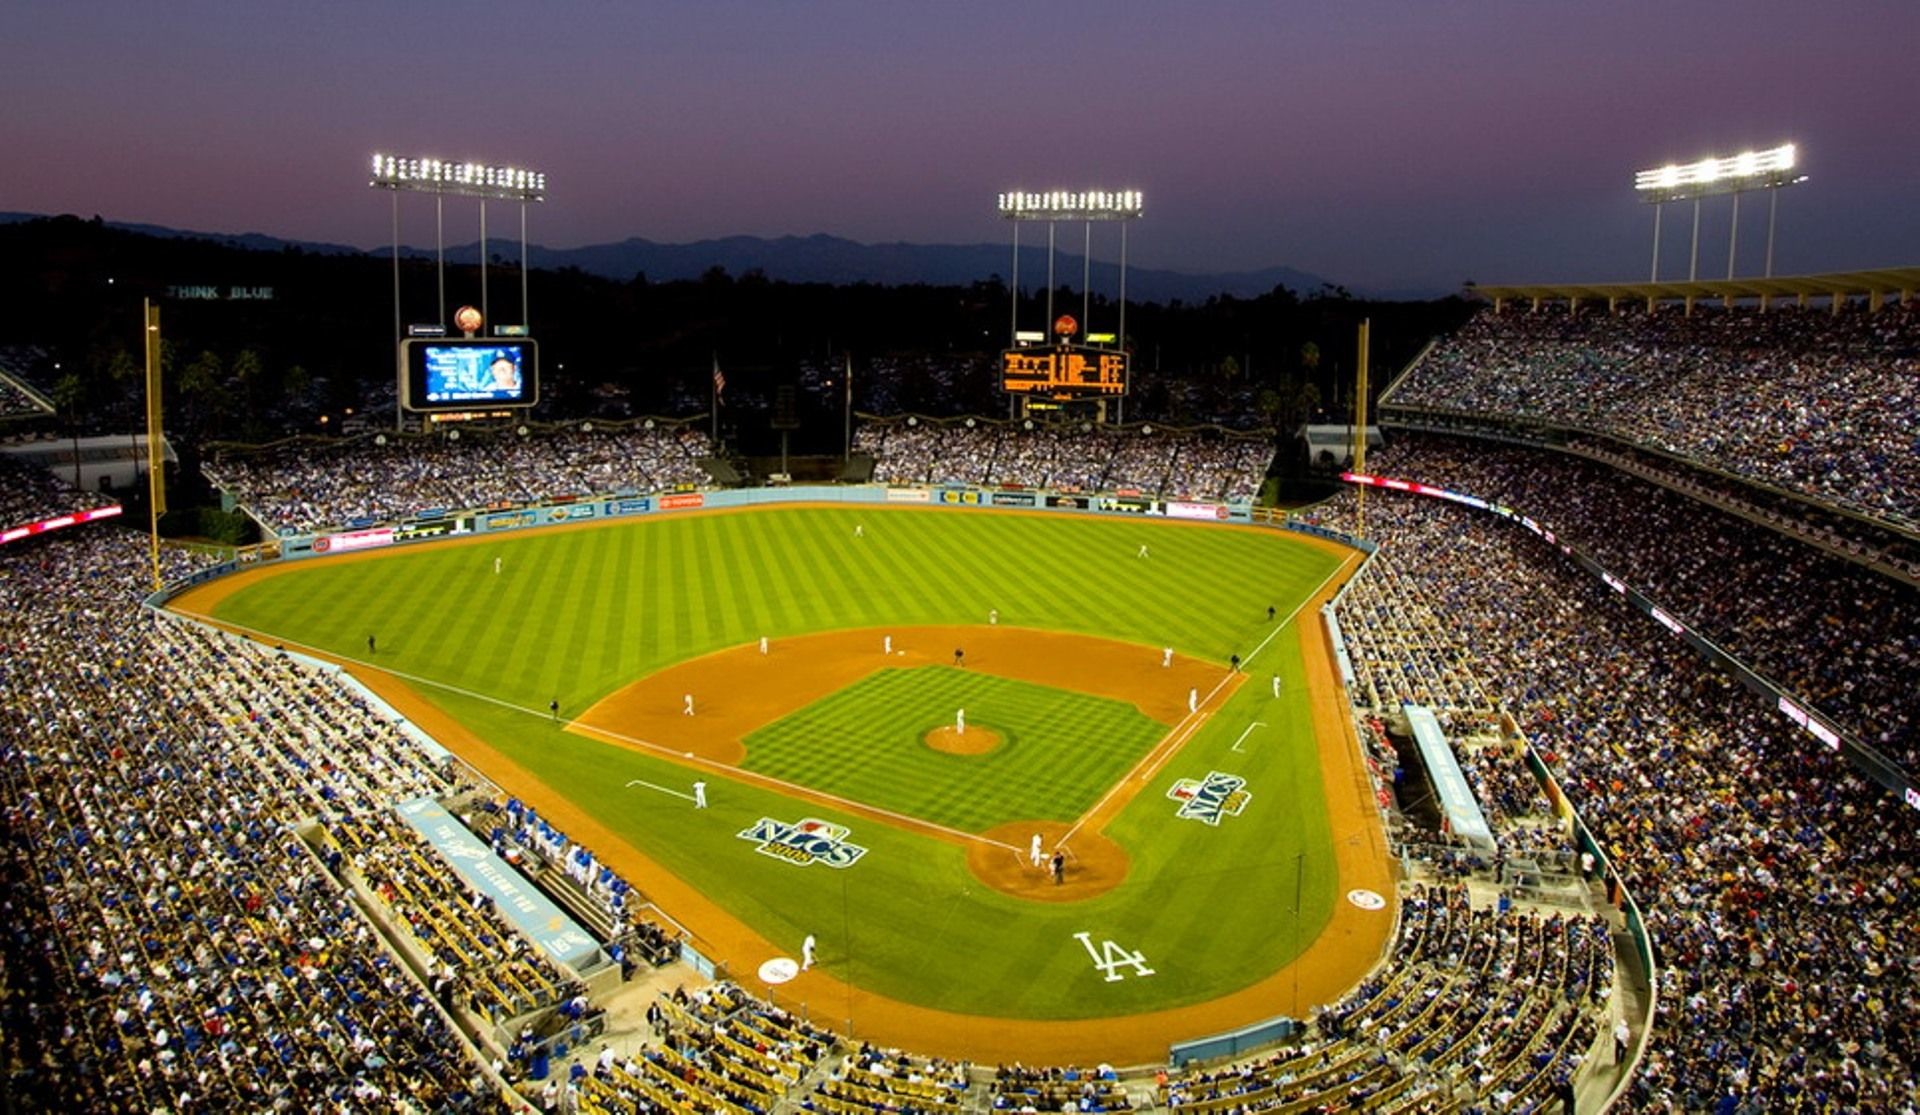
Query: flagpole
<point x="849" y="453"/>
<point x="714" y="408"/>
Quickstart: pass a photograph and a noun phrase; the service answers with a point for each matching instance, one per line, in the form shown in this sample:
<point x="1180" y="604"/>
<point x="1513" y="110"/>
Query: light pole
<point x="1734" y="174"/>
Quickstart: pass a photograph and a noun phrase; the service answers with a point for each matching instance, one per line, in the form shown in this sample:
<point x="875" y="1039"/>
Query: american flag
<point x="719" y="380"/>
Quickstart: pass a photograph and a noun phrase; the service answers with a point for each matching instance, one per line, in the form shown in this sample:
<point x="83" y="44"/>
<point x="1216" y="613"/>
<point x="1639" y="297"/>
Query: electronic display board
<point x="1064" y="372"/>
<point x="455" y="373"/>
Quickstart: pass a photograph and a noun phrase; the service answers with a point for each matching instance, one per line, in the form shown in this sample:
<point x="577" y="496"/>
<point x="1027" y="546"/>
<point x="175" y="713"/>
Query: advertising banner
<point x="682" y="501"/>
<point x="626" y="506"/>
<point x="1183" y="509"/>
<point x="909" y="495"/>
<point x="1013" y="499"/>
<point x="353" y="540"/>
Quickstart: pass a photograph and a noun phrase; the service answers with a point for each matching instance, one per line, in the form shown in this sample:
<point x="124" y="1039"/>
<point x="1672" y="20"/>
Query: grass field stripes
<point x="1058" y="749"/>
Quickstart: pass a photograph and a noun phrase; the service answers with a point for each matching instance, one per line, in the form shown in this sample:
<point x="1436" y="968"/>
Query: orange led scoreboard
<point x="1064" y="372"/>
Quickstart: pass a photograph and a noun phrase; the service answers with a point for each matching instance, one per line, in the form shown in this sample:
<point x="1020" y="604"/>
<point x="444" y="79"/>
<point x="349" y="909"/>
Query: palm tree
<point x="68" y="393"/>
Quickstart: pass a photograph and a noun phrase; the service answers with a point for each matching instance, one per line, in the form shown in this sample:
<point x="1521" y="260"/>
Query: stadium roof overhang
<point x="1874" y="285"/>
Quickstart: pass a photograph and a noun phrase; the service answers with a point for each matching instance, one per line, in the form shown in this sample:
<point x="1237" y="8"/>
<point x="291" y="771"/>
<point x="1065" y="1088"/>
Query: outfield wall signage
<point x="353" y="540"/>
<point x="570" y="511"/>
<point x="804" y="842"/>
<point x="909" y="495"/>
<point x="1013" y="499"/>
<point x="682" y="502"/>
<point x="1069" y="503"/>
<point x="1182" y="509"/>
<point x="968" y="496"/>
<point x="627" y="506"/>
<point x="506" y="520"/>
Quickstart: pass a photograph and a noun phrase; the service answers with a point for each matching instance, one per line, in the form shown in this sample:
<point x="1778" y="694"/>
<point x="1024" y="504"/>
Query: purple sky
<point x="1384" y="145"/>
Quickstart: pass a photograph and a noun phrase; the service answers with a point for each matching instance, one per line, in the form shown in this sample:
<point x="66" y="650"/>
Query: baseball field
<point x="935" y="690"/>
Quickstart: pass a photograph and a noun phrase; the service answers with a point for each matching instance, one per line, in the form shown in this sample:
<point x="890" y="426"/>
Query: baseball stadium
<point x="1528" y="728"/>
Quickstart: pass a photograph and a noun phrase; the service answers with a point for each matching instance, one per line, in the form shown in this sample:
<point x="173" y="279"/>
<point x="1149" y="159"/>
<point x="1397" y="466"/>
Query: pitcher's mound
<point x="976" y="740"/>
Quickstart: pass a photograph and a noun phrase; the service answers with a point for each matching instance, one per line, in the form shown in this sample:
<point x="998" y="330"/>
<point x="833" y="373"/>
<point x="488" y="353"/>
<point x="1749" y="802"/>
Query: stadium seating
<point x="1825" y="404"/>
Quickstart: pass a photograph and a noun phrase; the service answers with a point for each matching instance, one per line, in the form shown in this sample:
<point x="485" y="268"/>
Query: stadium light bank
<point x="1086" y="206"/>
<point x="1734" y="174"/>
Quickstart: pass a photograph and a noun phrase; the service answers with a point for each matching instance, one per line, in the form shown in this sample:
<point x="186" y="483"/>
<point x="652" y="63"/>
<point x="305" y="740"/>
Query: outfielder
<point x="699" y="795"/>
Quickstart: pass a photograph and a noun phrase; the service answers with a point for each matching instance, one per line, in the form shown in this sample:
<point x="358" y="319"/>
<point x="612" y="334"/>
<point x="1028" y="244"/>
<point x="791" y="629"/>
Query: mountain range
<point x="821" y="259"/>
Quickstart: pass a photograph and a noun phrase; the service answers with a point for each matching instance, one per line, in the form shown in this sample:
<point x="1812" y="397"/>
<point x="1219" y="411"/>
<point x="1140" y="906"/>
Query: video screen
<point x="454" y="374"/>
<point x="481" y="374"/>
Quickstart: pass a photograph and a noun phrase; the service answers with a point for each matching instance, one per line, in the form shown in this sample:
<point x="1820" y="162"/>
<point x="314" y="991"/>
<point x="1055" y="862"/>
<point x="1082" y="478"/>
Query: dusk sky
<point x="1380" y="145"/>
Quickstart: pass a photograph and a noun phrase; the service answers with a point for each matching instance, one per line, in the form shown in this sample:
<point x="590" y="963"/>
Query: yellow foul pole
<point x="1360" y="430"/>
<point x="156" y="443"/>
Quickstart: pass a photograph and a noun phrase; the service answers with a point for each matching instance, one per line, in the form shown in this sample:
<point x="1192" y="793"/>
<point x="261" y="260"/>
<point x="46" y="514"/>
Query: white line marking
<point x="1245" y="734"/>
<point x="1181" y="731"/>
<point x="662" y="789"/>
<point x="671" y="754"/>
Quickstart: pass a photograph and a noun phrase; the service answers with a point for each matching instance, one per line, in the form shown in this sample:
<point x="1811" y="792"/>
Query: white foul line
<point x="662" y="789"/>
<point x="1189" y="724"/>
<point x="1236" y="743"/>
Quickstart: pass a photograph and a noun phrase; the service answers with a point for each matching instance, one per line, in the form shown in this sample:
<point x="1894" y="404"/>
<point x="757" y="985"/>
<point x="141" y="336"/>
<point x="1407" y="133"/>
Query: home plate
<point x="780" y="969"/>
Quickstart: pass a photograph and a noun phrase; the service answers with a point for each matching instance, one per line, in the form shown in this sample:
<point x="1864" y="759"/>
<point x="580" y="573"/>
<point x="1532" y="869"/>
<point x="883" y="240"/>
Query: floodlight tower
<point x="1086" y="206"/>
<point x="441" y="178"/>
<point x="1749" y="170"/>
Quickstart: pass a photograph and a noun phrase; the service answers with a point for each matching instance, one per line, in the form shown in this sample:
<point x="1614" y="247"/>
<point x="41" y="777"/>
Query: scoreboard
<point x="1064" y="372"/>
<point x="456" y="374"/>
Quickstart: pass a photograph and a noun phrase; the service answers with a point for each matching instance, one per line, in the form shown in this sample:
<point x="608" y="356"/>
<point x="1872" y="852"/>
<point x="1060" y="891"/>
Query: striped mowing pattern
<point x="1059" y="751"/>
<point x="575" y="614"/>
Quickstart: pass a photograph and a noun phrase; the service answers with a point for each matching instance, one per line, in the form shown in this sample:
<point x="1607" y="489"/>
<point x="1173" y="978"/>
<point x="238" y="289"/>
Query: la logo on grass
<point x="1213" y="797"/>
<point x="804" y="842"/>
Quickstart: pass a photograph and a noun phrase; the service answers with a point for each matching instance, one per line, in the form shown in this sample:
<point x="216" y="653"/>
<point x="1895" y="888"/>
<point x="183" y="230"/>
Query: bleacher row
<point x="1473" y="1005"/>
<point x="312" y="485"/>
<point x="1774" y="880"/>
<point x="1173" y="463"/>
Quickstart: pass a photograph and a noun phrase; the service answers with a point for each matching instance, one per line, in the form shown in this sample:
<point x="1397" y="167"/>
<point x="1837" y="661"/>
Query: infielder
<point x="763" y="644"/>
<point x="1193" y="702"/>
<point x="1276" y="685"/>
<point x="699" y="795"/>
<point x="1166" y="657"/>
<point x="806" y="953"/>
<point x="689" y="700"/>
<point x="886" y="645"/>
<point x="993" y="615"/>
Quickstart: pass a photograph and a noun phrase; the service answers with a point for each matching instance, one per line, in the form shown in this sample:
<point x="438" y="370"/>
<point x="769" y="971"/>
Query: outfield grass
<point x="576" y="614"/>
<point x="1059" y="751"/>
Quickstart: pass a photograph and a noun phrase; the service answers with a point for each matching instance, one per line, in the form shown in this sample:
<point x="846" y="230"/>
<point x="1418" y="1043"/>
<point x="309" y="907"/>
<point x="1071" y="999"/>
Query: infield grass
<point x="1058" y="750"/>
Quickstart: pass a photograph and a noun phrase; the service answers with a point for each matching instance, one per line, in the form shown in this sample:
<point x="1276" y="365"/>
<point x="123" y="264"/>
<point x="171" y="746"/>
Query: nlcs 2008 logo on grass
<point x="1213" y="797"/>
<point x="804" y="842"/>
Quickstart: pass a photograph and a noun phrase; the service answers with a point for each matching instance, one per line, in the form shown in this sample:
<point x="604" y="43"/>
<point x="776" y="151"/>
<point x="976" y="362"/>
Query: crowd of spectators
<point x="1806" y="400"/>
<point x="1478" y="1009"/>
<point x="174" y="943"/>
<point x="315" y="486"/>
<point x="30" y="494"/>
<point x="1176" y="463"/>
<point x="16" y="401"/>
<point x="1841" y="635"/>
<point x="1778" y="885"/>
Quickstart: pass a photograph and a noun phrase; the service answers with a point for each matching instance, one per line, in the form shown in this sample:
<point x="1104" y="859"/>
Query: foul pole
<point x="156" y="444"/>
<point x="1360" y="430"/>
